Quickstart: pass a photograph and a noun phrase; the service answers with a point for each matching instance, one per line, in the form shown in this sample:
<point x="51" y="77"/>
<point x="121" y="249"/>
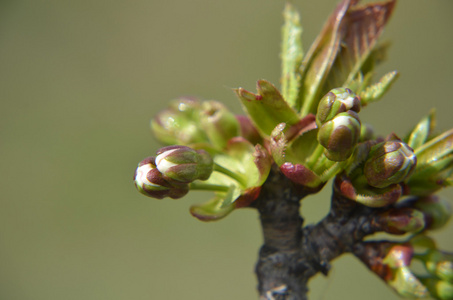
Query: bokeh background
<point x="79" y="82"/>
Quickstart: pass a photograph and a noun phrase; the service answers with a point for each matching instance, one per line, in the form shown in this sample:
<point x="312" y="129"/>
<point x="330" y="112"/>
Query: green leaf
<point x="291" y="55"/>
<point x="213" y="209"/>
<point x="435" y="149"/>
<point x="363" y="27"/>
<point x="320" y="57"/>
<point x="430" y="177"/>
<point x="421" y="132"/>
<point x="338" y="55"/>
<point x="377" y="55"/>
<point x="267" y="108"/>
<point x="374" y="92"/>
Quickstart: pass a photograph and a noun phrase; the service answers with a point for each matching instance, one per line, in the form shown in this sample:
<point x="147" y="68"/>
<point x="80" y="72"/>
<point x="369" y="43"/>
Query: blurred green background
<point x="79" y="82"/>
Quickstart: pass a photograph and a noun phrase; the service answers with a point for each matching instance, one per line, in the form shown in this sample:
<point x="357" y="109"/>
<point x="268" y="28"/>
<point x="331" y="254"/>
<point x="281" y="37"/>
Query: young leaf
<point x="341" y="50"/>
<point x="291" y="55"/>
<point x="436" y="148"/>
<point x="364" y="25"/>
<point x="266" y="109"/>
<point x="419" y="135"/>
<point x="376" y="91"/>
<point x="320" y="57"/>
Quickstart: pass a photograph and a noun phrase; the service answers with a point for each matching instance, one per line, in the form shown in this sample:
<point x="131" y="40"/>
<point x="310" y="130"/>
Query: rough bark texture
<point x="292" y="254"/>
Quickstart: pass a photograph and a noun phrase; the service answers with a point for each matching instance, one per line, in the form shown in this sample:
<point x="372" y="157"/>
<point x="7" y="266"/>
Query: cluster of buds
<point x="188" y="121"/>
<point x="313" y="138"/>
<point x="394" y="261"/>
<point x="338" y="122"/>
<point x="229" y="161"/>
<point x="170" y="172"/>
<point x="217" y="152"/>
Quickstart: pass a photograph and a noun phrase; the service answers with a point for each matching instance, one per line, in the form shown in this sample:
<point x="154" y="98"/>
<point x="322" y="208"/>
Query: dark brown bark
<point x="292" y="254"/>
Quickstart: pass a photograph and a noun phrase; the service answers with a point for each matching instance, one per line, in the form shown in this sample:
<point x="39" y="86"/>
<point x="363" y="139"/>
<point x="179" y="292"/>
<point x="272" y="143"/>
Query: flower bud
<point x="179" y="123"/>
<point x="334" y="102"/>
<point x="149" y="182"/>
<point x="219" y="123"/>
<point x="439" y="264"/>
<point x="389" y="163"/>
<point x="439" y="289"/>
<point x="340" y="135"/>
<point x="183" y="164"/>
<point x="401" y="220"/>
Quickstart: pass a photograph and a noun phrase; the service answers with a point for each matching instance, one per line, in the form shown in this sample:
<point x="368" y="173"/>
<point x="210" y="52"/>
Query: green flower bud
<point x="183" y="164"/>
<point x="439" y="289"/>
<point x="179" y="123"/>
<point x="149" y="182"/>
<point x="439" y="264"/>
<point x="219" y="123"/>
<point x="389" y="163"/>
<point x="334" y="102"/>
<point x="340" y="135"/>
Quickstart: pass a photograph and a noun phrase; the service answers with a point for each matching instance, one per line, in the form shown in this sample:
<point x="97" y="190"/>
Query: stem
<point x="332" y="171"/>
<point x="230" y="174"/>
<point x="315" y="156"/>
<point x="208" y="187"/>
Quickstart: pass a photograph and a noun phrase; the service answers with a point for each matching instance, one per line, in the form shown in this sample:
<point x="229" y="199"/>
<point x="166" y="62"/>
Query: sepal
<point x="375" y="91"/>
<point x="365" y="194"/>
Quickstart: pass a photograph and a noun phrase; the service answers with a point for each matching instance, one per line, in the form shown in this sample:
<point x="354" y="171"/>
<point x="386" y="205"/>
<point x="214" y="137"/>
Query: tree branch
<point x="291" y="254"/>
